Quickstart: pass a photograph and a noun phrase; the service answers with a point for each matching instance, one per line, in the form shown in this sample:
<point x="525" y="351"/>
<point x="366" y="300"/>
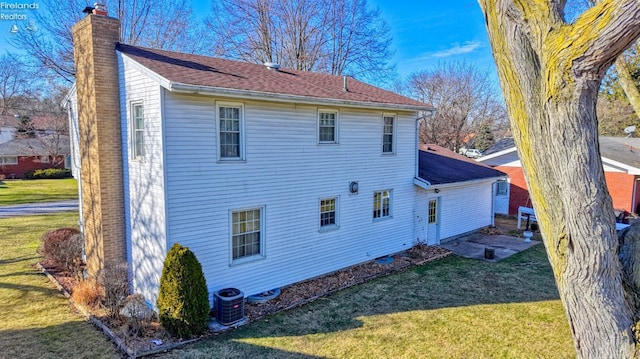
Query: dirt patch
<point x="138" y="340"/>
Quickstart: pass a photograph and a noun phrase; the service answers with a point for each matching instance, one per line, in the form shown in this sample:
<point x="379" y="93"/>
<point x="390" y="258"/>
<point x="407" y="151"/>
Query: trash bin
<point x="229" y="305"/>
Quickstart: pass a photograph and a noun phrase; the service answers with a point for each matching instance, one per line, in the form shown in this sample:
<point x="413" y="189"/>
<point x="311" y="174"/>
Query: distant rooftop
<point x="621" y="149"/>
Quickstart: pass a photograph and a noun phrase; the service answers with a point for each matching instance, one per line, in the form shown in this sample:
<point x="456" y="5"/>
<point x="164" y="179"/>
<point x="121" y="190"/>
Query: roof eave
<point x="417" y="181"/>
<point x="276" y="97"/>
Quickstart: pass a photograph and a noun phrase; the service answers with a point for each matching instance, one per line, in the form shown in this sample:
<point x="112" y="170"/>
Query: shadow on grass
<point x="75" y="339"/>
<point x="448" y="283"/>
<point x="19" y="259"/>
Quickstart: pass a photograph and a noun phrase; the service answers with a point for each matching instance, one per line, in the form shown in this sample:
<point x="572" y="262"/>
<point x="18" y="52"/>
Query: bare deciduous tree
<point x="465" y="99"/>
<point x="16" y="79"/>
<point x="338" y="37"/>
<point x="550" y="72"/>
<point x="167" y="25"/>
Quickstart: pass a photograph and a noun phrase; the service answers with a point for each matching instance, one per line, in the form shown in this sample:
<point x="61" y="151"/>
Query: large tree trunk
<point x="628" y="84"/>
<point x="550" y="73"/>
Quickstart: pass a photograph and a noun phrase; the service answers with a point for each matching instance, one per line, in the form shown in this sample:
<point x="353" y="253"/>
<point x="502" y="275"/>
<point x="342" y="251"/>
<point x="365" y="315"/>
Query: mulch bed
<point x="290" y="297"/>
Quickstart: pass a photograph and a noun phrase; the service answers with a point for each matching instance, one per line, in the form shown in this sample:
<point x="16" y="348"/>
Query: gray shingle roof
<point x="34" y="146"/>
<point x="196" y="70"/>
<point x="440" y="166"/>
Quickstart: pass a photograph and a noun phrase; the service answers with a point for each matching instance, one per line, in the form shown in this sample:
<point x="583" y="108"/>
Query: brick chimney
<point x="94" y="40"/>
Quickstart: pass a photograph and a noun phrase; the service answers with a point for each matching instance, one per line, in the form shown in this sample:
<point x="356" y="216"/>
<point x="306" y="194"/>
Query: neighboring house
<point x="620" y="158"/>
<point x="20" y="156"/>
<point x="270" y="176"/>
<point x="458" y="192"/>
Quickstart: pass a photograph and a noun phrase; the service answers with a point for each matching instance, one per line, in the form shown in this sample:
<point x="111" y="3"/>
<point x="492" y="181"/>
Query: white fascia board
<point x="496" y="154"/>
<point x="624" y="167"/>
<point x="276" y="97"/>
<point x="421" y="183"/>
<point x="426" y="185"/>
<point x="67" y="98"/>
<point x="162" y="81"/>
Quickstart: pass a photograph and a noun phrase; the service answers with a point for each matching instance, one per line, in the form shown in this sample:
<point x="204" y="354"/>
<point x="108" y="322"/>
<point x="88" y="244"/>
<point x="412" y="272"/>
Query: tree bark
<point x="628" y="84"/>
<point x="550" y="73"/>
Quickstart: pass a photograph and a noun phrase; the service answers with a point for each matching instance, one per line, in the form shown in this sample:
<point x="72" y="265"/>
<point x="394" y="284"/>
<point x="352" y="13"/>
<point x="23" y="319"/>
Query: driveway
<point x="38" y="208"/>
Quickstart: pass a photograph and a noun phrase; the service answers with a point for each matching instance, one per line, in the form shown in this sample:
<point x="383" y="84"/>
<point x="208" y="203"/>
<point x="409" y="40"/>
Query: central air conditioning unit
<point x="229" y="305"/>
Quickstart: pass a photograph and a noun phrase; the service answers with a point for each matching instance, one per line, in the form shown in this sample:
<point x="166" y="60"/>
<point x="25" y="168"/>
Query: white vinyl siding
<point x="288" y="173"/>
<point x="137" y="133"/>
<point x="8" y="160"/>
<point x="388" y="133"/>
<point x="144" y="181"/>
<point x="230" y="132"/>
<point x="382" y="204"/>
<point x="328" y="126"/>
<point x="472" y="202"/>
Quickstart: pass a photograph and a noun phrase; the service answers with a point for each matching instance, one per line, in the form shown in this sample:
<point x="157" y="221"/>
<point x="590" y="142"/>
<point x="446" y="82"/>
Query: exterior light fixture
<point x="353" y="187"/>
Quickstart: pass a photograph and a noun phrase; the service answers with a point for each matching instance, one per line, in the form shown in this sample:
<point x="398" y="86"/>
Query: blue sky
<point x="424" y="32"/>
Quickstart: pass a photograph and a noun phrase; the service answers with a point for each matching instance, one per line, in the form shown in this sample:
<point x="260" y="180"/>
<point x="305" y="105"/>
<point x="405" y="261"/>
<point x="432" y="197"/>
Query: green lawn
<point x="36" y="321"/>
<point x="33" y="191"/>
<point x="451" y="308"/>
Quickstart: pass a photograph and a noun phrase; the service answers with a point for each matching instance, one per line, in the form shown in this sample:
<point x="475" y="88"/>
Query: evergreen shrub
<point x="183" y="301"/>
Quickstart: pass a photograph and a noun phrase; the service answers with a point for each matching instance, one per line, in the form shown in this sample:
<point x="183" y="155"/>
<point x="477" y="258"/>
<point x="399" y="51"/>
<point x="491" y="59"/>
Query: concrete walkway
<point x="38" y="208"/>
<point x="473" y="246"/>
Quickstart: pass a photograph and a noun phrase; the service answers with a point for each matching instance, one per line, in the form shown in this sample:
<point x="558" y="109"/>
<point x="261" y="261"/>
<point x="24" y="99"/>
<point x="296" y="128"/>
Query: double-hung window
<point x="328" y="213"/>
<point x="230" y="132"/>
<point x="137" y="114"/>
<point x="382" y="204"/>
<point x="328" y="127"/>
<point x="247" y="233"/>
<point x="388" y="124"/>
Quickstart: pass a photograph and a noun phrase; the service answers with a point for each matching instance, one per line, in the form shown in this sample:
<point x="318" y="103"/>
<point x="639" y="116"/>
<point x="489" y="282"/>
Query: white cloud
<point x="458" y="49"/>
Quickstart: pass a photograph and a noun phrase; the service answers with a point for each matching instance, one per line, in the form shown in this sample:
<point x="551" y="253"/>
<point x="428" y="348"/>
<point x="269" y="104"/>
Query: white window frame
<point x="380" y="201"/>
<point x="335" y="126"/>
<point x="336" y="212"/>
<point x="432" y="211"/>
<point x="4" y="160"/>
<point x="135" y="131"/>
<point x="261" y="238"/>
<point x="393" y="132"/>
<point x="43" y="159"/>
<point x="241" y="130"/>
<point x="505" y="189"/>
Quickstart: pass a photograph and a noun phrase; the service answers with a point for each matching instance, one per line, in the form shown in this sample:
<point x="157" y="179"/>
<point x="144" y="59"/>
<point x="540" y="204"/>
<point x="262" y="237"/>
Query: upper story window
<point x="382" y="204"/>
<point x="137" y="113"/>
<point x="328" y="127"/>
<point x="230" y="132"/>
<point x="388" y="129"/>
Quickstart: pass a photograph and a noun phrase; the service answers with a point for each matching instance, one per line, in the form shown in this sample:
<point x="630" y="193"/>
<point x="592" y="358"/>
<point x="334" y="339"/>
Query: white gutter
<point x="270" y="96"/>
<point x="429" y="186"/>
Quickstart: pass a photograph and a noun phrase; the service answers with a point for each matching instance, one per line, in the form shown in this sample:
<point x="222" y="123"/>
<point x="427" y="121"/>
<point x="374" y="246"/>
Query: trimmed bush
<point x="64" y="247"/>
<point x="183" y="301"/>
<point x="114" y="281"/>
<point x="49" y="173"/>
